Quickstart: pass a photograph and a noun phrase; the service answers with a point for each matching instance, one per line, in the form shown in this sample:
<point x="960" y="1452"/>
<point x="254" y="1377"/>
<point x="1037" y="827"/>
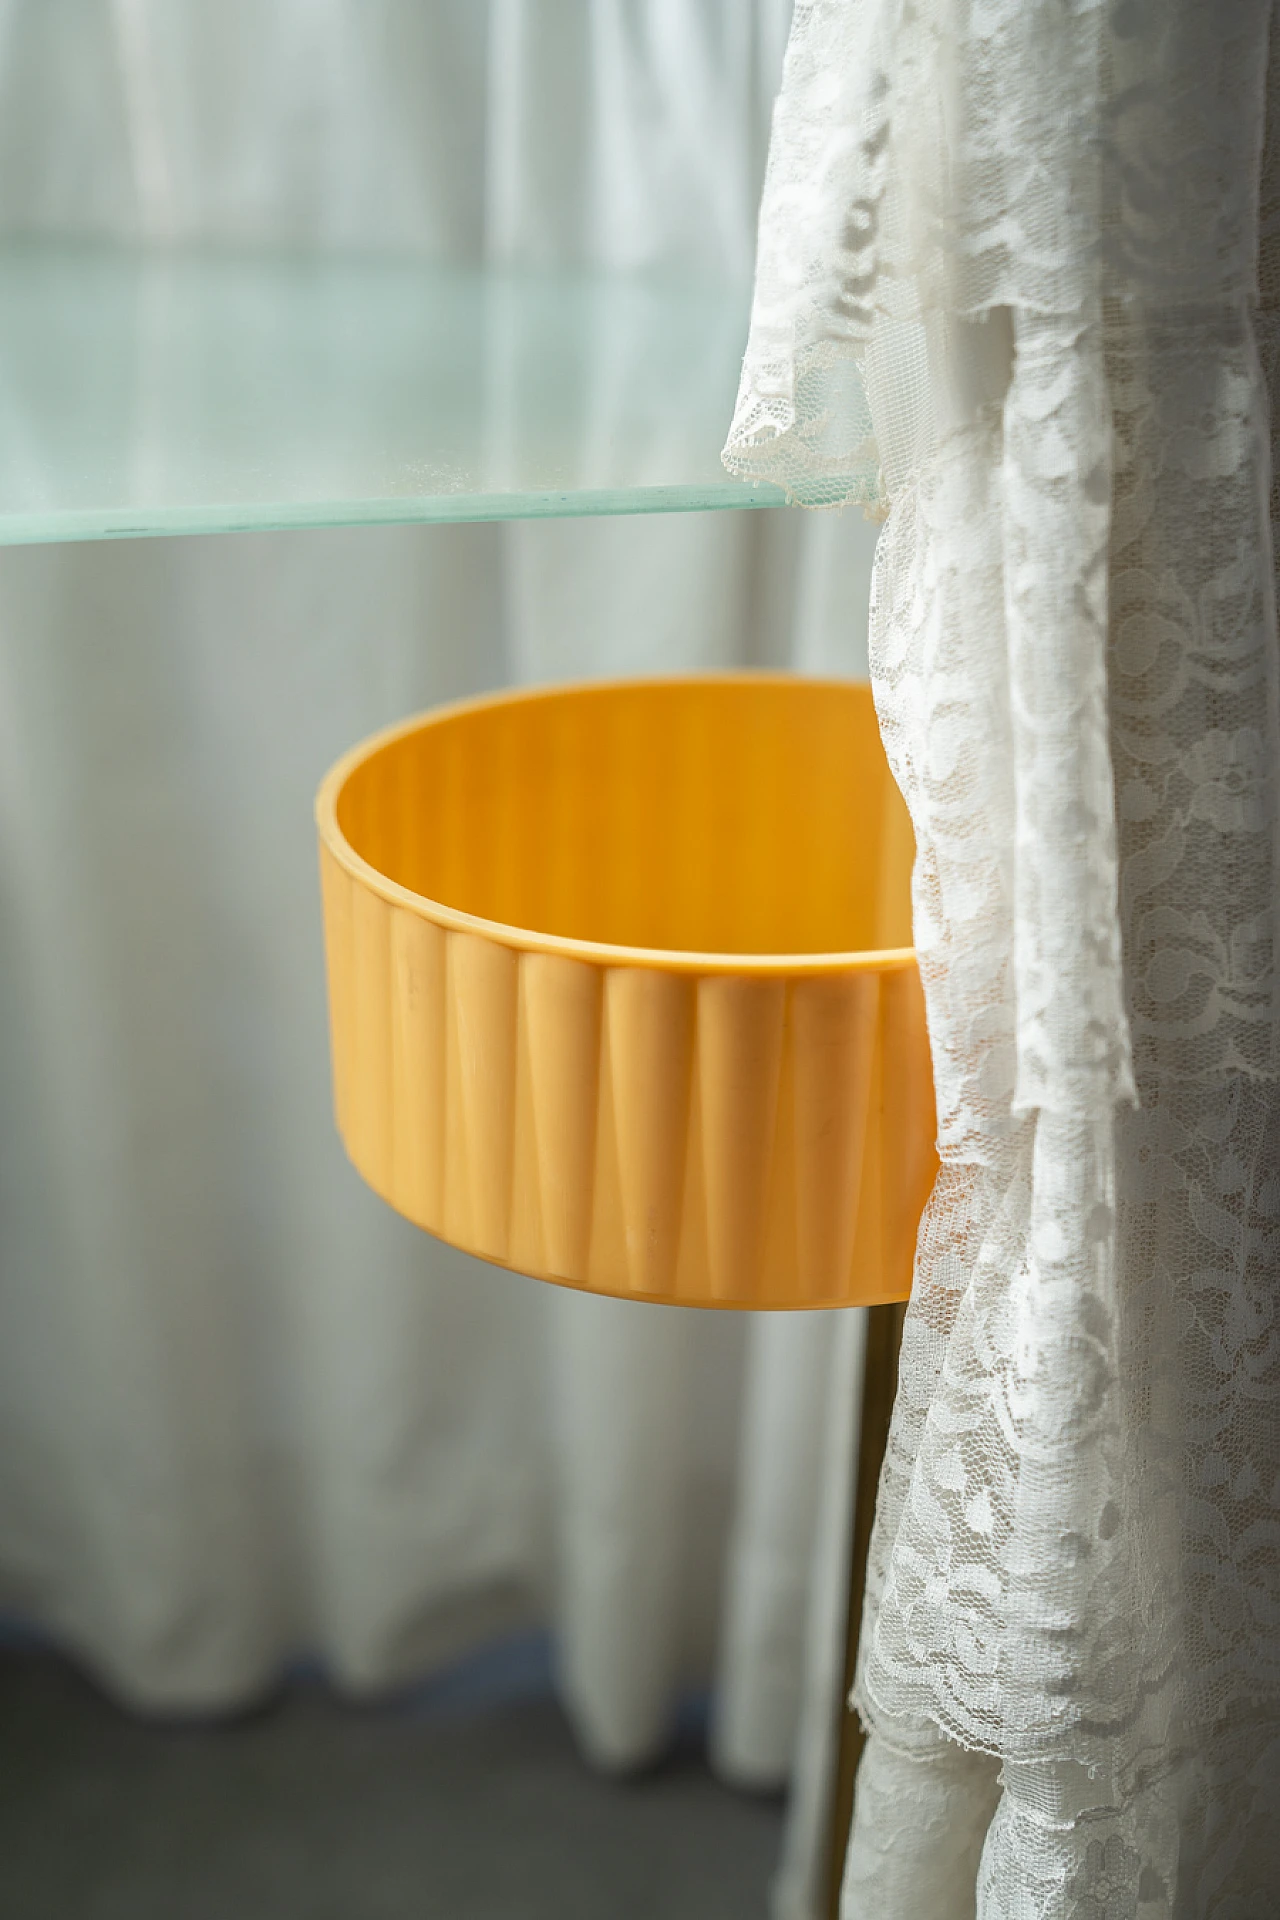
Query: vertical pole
<point x="880" y="1381"/>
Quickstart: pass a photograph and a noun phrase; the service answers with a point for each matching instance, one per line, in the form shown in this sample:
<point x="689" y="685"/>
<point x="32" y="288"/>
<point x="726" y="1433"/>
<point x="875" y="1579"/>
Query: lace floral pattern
<point x="1106" y="1888"/>
<point x="1034" y="229"/>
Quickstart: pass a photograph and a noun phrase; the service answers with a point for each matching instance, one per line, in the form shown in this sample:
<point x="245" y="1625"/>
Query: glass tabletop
<point x="149" y="393"/>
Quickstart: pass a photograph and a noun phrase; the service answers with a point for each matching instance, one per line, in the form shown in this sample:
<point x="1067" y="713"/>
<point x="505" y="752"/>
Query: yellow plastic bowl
<point x="621" y="988"/>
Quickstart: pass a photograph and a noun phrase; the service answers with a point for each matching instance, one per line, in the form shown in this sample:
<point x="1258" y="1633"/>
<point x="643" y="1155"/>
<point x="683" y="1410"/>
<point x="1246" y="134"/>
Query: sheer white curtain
<point x="244" y="1409"/>
<point x="1036" y="228"/>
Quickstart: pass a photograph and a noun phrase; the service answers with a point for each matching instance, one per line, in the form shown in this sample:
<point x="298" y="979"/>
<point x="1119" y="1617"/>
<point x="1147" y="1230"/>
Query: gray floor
<point x="470" y="1804"/>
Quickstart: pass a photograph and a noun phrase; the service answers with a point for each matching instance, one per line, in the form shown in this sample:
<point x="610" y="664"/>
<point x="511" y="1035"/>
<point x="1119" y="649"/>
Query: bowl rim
<point x="566" y="946"/>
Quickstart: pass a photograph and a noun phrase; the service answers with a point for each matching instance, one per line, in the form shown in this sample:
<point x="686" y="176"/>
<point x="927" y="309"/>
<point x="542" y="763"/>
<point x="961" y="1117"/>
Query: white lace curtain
<point x="1035" y="229"/>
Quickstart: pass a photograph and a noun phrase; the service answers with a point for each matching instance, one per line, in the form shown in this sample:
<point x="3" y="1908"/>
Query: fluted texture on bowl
<point x="713" y="1139"/>
<point x="621" y="993"/>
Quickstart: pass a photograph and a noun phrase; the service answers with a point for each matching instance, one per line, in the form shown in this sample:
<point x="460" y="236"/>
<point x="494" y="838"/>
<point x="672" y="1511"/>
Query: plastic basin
<point x="621" y="989"/>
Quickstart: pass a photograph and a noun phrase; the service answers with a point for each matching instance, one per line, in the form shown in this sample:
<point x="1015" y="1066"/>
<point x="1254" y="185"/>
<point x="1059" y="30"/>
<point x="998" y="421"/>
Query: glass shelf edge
<point x="171" y="523"/>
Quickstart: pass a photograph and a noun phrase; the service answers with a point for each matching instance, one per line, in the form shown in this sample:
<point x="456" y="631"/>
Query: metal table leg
<point x="880" y="1382"/>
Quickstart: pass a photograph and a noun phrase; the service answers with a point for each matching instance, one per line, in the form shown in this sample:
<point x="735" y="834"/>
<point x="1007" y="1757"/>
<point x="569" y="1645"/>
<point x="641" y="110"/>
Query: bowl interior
<point x="734" y="816"/>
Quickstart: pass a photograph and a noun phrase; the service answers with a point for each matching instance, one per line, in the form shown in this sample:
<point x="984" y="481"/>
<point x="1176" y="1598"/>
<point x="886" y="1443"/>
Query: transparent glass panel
<point x="169" y="392"/>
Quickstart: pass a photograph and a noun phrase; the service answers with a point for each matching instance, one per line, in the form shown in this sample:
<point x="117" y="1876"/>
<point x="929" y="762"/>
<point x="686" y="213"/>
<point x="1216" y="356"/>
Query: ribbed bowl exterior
<point x="718" y="1138"/>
